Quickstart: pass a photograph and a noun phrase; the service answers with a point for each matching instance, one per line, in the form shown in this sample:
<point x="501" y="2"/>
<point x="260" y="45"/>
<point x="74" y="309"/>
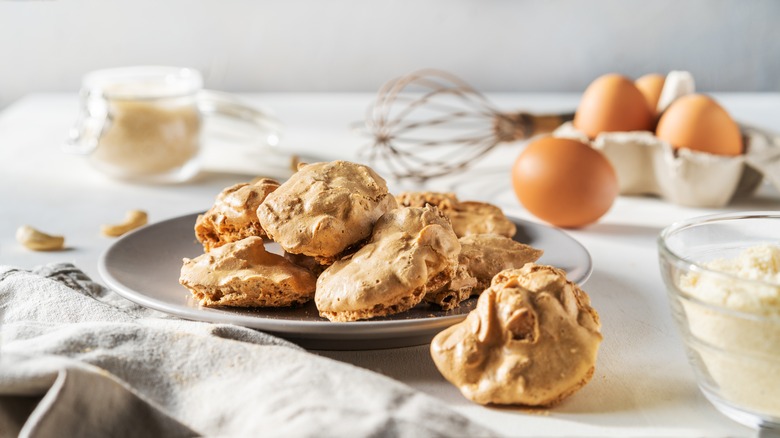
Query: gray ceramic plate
<point x="144" y="266"/>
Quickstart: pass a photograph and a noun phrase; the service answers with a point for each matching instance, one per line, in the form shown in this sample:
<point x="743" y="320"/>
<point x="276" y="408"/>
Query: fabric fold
<point x="103" y="366"/>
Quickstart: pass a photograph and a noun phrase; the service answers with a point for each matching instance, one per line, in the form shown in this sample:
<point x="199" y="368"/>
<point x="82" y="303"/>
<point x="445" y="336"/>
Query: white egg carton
<point x="647" y="165"/>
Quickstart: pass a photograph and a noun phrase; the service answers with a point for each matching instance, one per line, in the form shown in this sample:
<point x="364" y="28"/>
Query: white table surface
<point x="643" y="385"/>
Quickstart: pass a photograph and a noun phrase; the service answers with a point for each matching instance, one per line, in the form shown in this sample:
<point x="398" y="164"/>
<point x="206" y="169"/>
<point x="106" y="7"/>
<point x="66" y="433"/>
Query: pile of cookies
<point x="359" y="252"/>
<point x="350" y="245"/>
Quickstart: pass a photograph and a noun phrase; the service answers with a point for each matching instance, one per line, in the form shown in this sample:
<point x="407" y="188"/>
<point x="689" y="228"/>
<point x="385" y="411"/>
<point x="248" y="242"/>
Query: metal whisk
<point x="430" y="123"/>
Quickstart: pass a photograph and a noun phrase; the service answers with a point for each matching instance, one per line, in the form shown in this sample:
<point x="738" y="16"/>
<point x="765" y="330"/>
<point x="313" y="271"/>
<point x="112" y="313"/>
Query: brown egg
<point x="650" y="85"/>
<point x="612" y="103"/>
<point x="697" y="122"/>
<point x="564" y="182"/>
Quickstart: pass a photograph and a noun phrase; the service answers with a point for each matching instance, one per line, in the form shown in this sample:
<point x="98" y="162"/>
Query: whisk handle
<point x="545" y="123"/>
<point x="523" y="125"/>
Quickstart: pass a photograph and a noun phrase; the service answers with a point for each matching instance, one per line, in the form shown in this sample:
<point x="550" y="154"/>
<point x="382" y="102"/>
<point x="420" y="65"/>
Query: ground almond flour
<point x="740" y="351"/>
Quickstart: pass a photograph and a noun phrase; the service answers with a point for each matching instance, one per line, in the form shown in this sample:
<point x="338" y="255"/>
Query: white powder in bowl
<point x="740" y="351"/>
<point x="759" y="263"/>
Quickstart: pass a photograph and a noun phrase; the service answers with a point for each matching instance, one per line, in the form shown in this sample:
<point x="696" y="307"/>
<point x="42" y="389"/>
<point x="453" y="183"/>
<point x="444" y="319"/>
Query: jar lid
<point x="143" y="82"/>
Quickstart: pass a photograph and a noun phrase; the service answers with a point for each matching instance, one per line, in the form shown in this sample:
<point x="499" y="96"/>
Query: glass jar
<point x="145" y="123"/>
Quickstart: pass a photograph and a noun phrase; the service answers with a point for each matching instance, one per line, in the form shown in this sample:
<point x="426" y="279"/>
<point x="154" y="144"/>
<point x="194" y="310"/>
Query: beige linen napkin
<point x="78" y="360"/>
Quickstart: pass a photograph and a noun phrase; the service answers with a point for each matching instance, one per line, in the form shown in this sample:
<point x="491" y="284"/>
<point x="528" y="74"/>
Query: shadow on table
<point x="411" y="365"/>
<point x="641" y="365"/>
<point x="642" y="373"/>
<point x="634" y="326"/>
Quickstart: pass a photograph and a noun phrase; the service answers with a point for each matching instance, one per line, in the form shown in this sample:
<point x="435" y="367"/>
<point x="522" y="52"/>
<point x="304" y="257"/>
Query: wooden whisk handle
<point x="523" y="125"/>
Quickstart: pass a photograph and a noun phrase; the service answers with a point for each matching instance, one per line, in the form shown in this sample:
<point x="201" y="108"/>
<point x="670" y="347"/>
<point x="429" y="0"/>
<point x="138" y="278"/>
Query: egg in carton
<point x="648" y="165"/>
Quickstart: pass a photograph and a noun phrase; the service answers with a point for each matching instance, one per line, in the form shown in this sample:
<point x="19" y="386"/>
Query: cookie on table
<point x="234" y="214"/>
<point x="244" y="274"/>
<point x="532" y="340"/>
<point x="467" y="217"/>
<point x="411" y="251"/>
<point x="325" y="208"/>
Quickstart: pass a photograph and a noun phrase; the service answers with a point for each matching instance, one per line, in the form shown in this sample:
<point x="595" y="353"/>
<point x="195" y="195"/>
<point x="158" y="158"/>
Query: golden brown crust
<point x="234" y="214"/>
<point x="467" y="217"/>
<point x="325" y="208"/>
<point x="411" y="251"/>
<point x="480" y="218"/>
<point x="400" y="304"/>
<point x="449" y="295"/>
<point x="443" y="201"/>
<point x="244" y="274"/>
<point x="482" y="256"/>
<point x="532" y="340"/>
<point x="485" y="255"/>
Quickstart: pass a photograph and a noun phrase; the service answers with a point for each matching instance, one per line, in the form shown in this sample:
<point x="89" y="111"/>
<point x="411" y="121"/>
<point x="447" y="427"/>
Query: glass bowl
<point x="727" y="311"/>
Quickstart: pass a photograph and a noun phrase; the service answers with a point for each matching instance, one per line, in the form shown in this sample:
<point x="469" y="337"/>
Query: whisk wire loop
<point x="431" y="123"/>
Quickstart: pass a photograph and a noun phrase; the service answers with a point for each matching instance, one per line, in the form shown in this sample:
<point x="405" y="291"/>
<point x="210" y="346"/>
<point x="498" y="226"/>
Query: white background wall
<point x="356" y="45"/>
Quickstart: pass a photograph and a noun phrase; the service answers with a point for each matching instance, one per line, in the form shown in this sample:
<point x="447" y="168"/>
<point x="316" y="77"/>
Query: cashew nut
<point x="133" y="220"/>
<point x="37" y="240"/>
<point x="295" y="161"/>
